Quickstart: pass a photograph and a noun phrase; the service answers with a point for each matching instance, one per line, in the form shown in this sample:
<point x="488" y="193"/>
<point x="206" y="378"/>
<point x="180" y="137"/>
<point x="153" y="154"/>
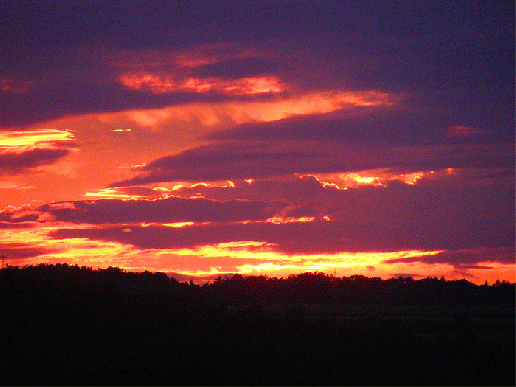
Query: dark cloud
<point x="234" y="160"/>
<point x="465" y="258"/>
<point x="15" y="251"/>
<point x="189" y="237"/>
<point x="404" y="124"/>
<point x="297" y="238"/>
<point x="15" y="163"/>
<point x="239" y="68"/>
<point x="143" y="23"/>
<point x="366" y="219"/>
<point x="12" y="224"/>
<point x="461" y="53"/>
<point x="163" y="210"/>
<point x="229" y="161"/>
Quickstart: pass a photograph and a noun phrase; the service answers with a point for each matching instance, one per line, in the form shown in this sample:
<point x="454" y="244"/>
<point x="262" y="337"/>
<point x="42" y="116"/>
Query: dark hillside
<point x="69" y="325"/>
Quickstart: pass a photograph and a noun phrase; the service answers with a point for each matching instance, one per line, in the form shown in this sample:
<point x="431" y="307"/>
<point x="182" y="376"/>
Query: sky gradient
<point x="264" y="137"/>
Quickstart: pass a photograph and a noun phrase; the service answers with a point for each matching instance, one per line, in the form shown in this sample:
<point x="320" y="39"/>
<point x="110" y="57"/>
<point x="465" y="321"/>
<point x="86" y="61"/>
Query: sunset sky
<point x="260" y="137"/>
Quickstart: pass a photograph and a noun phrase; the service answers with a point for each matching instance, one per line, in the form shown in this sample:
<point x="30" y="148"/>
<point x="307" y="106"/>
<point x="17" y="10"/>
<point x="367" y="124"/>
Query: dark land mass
<point x="69" y="325"/>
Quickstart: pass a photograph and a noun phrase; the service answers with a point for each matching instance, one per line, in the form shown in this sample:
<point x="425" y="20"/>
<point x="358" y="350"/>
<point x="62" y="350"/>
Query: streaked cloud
<point x="465" y="257"/>
<point x="245" y="160"/>
<point x="168" y="210"/>
<point x="231" y="113"/>
<point x="245" y="86"/>
<point x="19" y="251"/>
<point x="19" y="141"/>
<point x="267" y="139"/>
<point x="22" y="150"/>
<point x="13" y="163"/>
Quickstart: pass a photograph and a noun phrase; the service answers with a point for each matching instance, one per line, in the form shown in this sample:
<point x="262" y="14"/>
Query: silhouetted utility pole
<point x="3" y="260"/>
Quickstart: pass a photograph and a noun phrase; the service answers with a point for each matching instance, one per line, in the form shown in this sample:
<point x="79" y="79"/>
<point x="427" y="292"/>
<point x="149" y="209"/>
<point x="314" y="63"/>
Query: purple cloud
<point x="168" y="210"/>
<point x="465" y="258"/>
<point x="367" y="234"/>
<point x="463" y="59"/>
<point x="15" y="163"/>
<point x="234" y="160"/>
<point x="15" y="251"/>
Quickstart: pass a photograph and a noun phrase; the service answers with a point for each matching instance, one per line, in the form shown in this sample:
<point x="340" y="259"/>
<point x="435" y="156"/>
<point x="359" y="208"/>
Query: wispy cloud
<point x="270" y="138"/>
<point x="22" y="150"/>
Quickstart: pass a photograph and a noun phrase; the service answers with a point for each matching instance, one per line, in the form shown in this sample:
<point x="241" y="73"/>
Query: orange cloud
<point x="159" y="72"/>
<point x="62" y="205"/>
<point x="227" y="114"/>
<point x="19" y="212"/>
<point x="157" y="84"/>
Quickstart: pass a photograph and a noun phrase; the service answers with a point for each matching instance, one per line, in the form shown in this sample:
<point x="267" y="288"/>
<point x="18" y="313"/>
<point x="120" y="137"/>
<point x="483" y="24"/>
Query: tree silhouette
<point x="66" y="324"/>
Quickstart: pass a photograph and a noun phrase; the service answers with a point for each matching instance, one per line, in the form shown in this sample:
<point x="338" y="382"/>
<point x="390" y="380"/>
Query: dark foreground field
<point x="77" y="326"/>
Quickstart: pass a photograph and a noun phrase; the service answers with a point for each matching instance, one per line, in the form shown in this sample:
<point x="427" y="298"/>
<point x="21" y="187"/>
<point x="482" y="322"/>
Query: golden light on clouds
<point x="283" y="220"/>
<point x="168" y="133"/>
<point x="270" y="262"/>
<point x="231" y="113"/>
<point x="373" y="177"/>
<point x="243" y="257"/>
<point x="157" y="84"/>
<point x="21" y="141"/>
<point x="178" y="224"/>
<point x="113" y="193"/>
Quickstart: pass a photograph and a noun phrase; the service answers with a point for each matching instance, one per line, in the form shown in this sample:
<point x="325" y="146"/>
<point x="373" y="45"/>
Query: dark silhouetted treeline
<point x="356" y="289"/>
<point x="72" y="325"/>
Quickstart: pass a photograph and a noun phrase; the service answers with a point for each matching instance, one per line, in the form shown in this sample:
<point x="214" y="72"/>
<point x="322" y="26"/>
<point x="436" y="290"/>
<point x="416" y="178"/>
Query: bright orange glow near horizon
<point x="259" y="147"/>
<point x="242" y="257"/>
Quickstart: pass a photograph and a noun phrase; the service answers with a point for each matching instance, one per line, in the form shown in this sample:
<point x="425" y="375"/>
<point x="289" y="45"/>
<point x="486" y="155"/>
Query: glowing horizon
<point x="256" y="146"/>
